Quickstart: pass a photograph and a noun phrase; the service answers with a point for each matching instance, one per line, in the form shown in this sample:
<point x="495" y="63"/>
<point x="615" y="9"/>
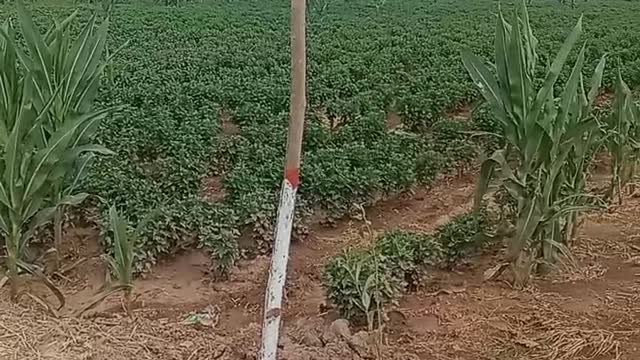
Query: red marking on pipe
<point x="293" y="175"/>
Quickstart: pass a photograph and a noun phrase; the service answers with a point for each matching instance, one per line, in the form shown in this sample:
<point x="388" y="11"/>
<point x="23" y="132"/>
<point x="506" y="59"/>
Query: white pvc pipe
<point x="278" y="273"/>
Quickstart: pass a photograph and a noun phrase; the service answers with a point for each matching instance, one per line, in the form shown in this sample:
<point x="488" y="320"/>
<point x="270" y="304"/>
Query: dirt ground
<point x="589" y="311"/>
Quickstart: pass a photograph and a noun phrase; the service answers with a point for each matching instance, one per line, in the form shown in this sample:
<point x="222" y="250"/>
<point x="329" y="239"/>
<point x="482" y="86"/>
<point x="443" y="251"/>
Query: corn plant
<point x="543" y="135"/>
<point x="66" y="72"/>
<point x="634" y="142"/>
<point x="38" y="140"/>
<point x="622" y="138"/>
<point x="121" y="262"/>
<point x="360" y="284"/>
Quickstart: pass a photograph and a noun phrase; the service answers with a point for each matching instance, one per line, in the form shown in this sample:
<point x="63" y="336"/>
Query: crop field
<point x="189" y="73"/>
<point x="401" y="118"/>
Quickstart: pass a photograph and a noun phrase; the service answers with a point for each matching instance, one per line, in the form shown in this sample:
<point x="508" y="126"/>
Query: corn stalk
<point x="65" y="72"/>
<point x="622" y="138"/>
<point x="41" y="133"/>
<point x="107" y="9"/>
<point x="545" y="135"/>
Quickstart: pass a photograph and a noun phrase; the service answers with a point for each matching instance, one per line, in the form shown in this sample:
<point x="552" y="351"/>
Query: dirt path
<point x="592" y="311"/>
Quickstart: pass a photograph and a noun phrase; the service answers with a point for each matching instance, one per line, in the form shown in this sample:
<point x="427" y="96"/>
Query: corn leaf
<point x="554" y="71"/>
<point x="596" y="81"/>
<point x="501" y="52"/>
<point x="101" y="297"/>
<point x="526" y="226"/>
<point x="519" y="83"/>
<point x="35" y="43"/>
<point x="45" y="280"/>
<point x="570" y="91"/>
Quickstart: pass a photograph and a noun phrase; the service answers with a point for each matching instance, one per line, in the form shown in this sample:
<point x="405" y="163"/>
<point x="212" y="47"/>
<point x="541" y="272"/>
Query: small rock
<point x="364" y="343"/>
<point x="360" y="341"/>
<point x="324" y="307"/>
<point x="311" y="340"/>
<point x="285" y="341"/>
<point x="406" y="356"/>
<point x="220" y="350"/>
<point x="338" y="330"/>
<point x="340" y="327"/>
<point x="395" y="317"/>
<point x="186" y="344"/>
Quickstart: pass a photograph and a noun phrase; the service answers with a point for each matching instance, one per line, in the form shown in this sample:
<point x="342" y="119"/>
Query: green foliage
<point x="507" y="204"/>
<point x="208" y="226"/>
<point x="549" y="137"/>
<point x="486" y="129"/>
<point x="359" y="284"/>
<point x="622" y="138"/>
<point x="186" y="64"/>
<point x="451" y="141"/>
<point x="67" y="73"/>
<point x="396" y="263"/>
<point x="46" y="125"/>
<point x="229" y="56"/>
<point x="216" y="233"/>
<point x="461" y="236"/>
<point x="121" y="263"/>
<point x="359" y="161"/>
<point x="406" y="254"/>
<point x="429" y="165"/>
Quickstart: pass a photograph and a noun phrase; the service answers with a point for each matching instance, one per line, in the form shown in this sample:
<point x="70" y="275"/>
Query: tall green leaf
<point x="554" y="71"/>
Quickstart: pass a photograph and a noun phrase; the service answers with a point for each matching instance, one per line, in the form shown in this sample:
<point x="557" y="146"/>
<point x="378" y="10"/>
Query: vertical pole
<point x="280" y="256"/>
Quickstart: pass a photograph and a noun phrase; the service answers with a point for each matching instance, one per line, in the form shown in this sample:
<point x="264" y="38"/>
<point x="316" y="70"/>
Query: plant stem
<point x="127" y="301"/>
<point x="548" y="257"/>
<point x="609" y="195"/>
<point x="619" y="185"/>
<point x="631" y="175"/>
<point x="573" y="224"/>
<point x="13" y="276"/>
<point x="58" y="221"/>
<point x="12" y="263"/>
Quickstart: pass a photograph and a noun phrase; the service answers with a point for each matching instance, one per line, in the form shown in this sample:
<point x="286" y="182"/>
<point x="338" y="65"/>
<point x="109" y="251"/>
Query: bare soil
<point x="212" y="189"/>
<point x="394" y="121"/>
<point x="587" y="311"/>
<point x="462" y="112"/>
<point x="228" y="126"/>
